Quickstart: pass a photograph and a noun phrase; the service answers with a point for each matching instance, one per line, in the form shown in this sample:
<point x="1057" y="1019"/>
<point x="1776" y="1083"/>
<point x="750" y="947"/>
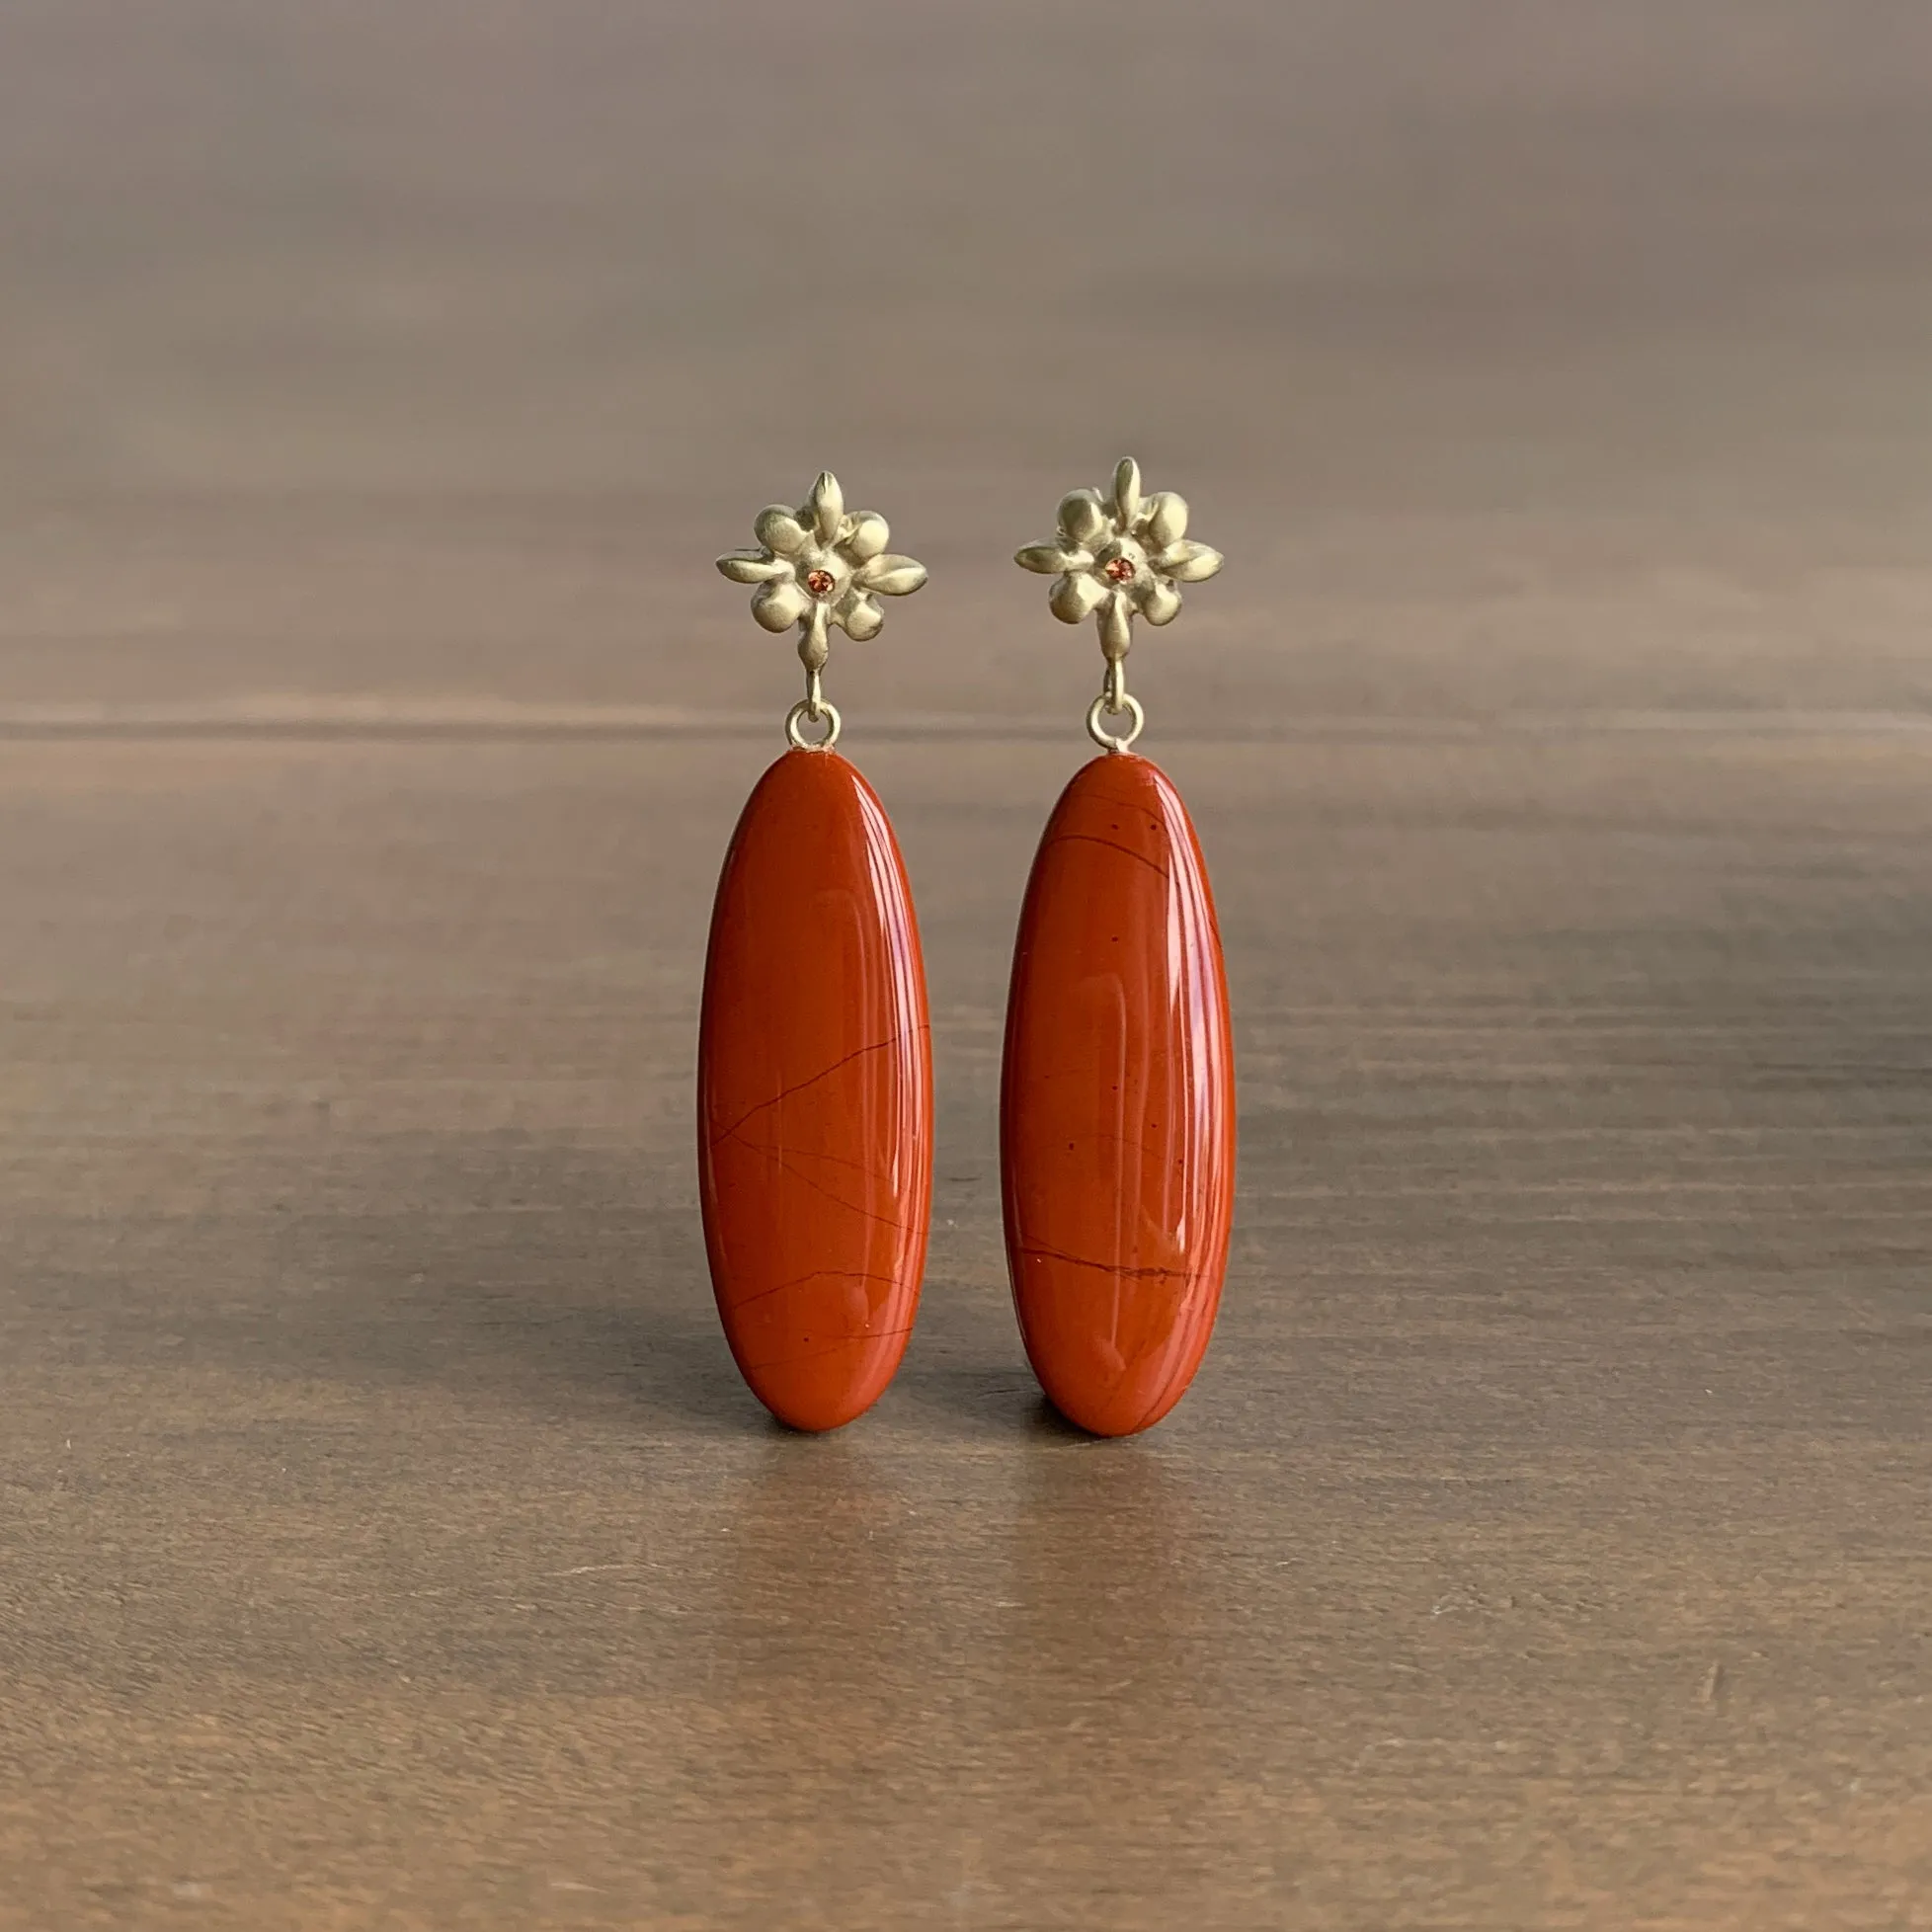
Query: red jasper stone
<point x="1117" y="1103"/>
<point x="815" y="1094"/>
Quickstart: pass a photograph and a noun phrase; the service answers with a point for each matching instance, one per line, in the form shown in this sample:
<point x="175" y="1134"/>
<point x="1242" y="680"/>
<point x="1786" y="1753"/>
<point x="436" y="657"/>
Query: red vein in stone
<point x="1109" y="1267"/>
<point x="804" y="1154"/>
<point x="824" y="1073"/>
<point x="830" y="1348"/>
<point x="817" y="1274"/>
<point x="1125" y="803"/>
<point x="1112" y="844"/>
<point x="783" y="1160"/>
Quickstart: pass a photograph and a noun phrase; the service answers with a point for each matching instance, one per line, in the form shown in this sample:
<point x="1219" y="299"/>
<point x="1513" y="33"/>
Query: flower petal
<point x="1117" y="625"/>
<point x="891" y="576"/>
<point x="779" y="606"/>
<point x="1188" y="563"/>
<point x="1082" y="517"/>
<point x="1077" y="595"/>
<point x="1050" y="559"/>
<point x="1127" y="491"/>
<point x="780" y="532"/>
<point x="858" y="615"/>
<point x="753" y="567"/>
<point x="814" y="647"/>
<point x="1159" y="602"/>
<point x="1167" y="518"/>
<point x="826" y="504"/>
<point x="869" y="535"/>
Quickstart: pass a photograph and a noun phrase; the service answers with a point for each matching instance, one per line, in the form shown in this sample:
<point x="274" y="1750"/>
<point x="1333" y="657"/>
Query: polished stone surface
<point x="388" y="1541"/>
<point x="815" y="1094"/>
<point x="1117" y="1101"/>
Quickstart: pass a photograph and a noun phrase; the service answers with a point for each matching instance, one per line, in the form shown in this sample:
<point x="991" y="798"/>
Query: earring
<point x="814" y="1054"/>
<point x="1116" y="1100"/>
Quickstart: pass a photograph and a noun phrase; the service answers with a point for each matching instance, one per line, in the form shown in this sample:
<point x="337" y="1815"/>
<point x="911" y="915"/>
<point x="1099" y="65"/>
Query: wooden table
<point x="385" y="1540"/>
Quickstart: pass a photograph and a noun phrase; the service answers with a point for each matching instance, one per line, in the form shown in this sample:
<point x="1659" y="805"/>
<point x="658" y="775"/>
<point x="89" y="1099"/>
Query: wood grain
<point x="385" y="1540"/>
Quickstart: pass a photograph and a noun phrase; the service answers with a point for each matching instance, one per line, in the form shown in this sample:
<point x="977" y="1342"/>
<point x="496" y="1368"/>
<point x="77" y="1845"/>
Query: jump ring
<point x="1106" y="740"/>
<point x="826" y="711"/>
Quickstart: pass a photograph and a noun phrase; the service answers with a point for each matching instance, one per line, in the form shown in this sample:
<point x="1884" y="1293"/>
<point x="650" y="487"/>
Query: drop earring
<point x="815" y="1055"/>
<point x="1117" y="1098"/>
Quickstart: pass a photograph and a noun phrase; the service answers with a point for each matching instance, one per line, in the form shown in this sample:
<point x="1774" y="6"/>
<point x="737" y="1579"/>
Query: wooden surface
<point x="385" y="1540"/>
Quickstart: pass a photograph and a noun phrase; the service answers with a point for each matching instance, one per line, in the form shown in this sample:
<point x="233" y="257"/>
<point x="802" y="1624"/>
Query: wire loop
<point x="826" y="713"/>
<point x="1109" y="740"/>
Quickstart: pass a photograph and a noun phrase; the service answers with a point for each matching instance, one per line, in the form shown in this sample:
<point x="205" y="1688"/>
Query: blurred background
<point x="1521" y="355"/>
<point x="384" y="1537"/>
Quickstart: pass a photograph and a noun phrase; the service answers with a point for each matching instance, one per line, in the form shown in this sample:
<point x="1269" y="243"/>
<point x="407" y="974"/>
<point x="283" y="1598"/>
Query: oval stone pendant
<point x="815" y="1094"/>
<point x="1117" y="1105"/>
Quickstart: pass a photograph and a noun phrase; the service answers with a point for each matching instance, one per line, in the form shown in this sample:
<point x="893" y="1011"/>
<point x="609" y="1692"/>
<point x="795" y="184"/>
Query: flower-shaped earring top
<point x="819" y="565"/>
<point x="1119" y="557"/>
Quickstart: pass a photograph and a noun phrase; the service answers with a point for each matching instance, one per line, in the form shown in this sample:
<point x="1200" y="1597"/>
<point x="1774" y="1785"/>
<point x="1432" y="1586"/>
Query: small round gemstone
<point x="819" y="582"/>
<point x="1120" y="569"/>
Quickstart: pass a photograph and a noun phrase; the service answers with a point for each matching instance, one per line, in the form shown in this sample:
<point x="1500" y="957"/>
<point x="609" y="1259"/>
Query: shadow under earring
<point x="1116" y="1101"/>
<point x="815" y="1055"/>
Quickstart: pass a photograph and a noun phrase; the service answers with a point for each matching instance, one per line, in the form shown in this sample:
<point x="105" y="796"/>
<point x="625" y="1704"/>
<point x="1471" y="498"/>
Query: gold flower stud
<point x="1115" y="558"/>
<point x="819" y="565"/>
<point x="1119" y="557"/>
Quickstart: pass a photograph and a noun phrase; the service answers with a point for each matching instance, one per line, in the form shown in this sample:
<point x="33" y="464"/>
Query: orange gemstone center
<point x="1120" y="569"/>
<point x="819" y="582"/>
